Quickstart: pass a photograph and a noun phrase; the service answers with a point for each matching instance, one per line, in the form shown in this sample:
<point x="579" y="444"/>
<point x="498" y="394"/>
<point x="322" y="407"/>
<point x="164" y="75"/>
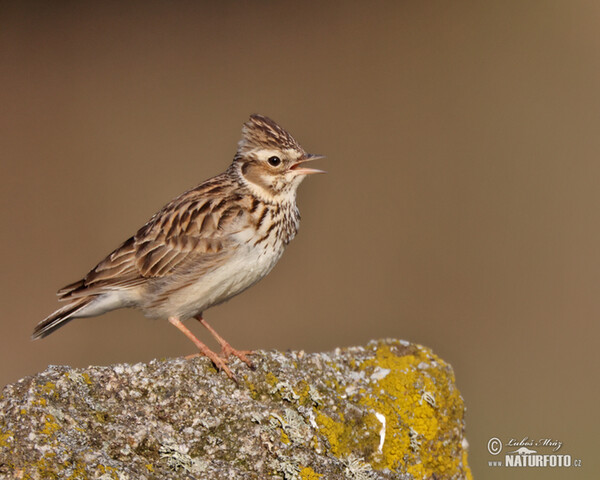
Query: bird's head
<point x="270" y="161"/>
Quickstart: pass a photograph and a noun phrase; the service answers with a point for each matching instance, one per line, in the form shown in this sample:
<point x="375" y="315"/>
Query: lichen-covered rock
<point x="387" y="410"/>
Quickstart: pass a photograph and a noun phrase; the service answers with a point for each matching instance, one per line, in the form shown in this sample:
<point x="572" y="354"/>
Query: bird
<point x="204" y="247"/>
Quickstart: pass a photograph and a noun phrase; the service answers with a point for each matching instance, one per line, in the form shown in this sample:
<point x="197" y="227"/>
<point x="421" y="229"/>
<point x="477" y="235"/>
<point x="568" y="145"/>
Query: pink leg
<point x="226" y="349"/>
<point x="204" y="350"/>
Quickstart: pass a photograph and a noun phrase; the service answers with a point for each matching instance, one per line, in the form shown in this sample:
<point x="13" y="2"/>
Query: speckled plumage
<point x="205" y="246"/>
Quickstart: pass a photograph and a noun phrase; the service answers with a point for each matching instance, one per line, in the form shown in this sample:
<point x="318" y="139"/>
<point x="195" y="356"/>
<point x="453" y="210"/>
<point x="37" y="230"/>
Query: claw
<point x="219" y="363"/>
<point x="227" y="350"/>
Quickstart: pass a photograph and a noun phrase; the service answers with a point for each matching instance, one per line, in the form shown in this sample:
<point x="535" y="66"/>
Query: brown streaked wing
<point x="196" y="231"/>
<point x="116" y="270"/>
<point x="192" y="233"/>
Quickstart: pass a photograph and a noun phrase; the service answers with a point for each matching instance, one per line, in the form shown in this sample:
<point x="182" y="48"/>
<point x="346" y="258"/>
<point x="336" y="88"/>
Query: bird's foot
<point x="227" y="351"/>
<point x="219" y="362"/>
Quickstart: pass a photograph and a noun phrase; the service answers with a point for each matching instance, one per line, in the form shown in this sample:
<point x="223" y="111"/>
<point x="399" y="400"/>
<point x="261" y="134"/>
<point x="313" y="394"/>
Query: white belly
<point x="246" y="267"/>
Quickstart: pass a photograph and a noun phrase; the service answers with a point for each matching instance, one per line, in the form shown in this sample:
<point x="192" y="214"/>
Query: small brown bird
<point x="205" y="246"/>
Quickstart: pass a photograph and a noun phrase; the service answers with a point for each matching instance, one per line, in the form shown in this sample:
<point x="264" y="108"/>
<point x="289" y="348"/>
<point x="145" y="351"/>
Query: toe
<point x="241" y="354"/>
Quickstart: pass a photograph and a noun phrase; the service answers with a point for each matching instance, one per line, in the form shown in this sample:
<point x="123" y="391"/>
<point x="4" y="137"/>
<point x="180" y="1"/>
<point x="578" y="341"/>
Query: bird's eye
<point x="274" y="161"/>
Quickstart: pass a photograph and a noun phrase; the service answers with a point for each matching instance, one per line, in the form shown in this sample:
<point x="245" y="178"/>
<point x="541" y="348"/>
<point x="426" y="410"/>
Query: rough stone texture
<point x="297" y="416"/>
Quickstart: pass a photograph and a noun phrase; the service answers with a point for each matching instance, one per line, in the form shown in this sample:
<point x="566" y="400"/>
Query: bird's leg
<point x="226" y="348"/>
<point x="204" y="350"/>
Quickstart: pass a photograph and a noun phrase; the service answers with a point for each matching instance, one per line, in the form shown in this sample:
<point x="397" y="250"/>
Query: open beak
<point x="309" y="157"/>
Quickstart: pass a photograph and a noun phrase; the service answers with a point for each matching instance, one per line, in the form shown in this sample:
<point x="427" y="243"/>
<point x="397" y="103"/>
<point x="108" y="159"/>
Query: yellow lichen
<point x="308" y="473"/>
<point x="271" y="379"/>
<point x="49" y="388"/>
<point x="419" y="407"/>
<point x="79" y="472"/>
<point x="338" y="434"/>
<point x="254" y="393"/>
<point x="50" y="425"/>
<point x="111" y="471"/>
<point x="465" y="464"/>
<point x="5" y="438"/>
<point x="102" y="417"/>
<point x="46" y="468"/>
<point x="303" y="390"/>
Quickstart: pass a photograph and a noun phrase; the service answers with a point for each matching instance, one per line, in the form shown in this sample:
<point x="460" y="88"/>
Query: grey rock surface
<point x="387" y="410"/>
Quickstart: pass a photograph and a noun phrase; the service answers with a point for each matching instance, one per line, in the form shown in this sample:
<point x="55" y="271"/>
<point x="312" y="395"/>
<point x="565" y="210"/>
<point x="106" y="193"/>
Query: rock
<point x="387" y="410"/>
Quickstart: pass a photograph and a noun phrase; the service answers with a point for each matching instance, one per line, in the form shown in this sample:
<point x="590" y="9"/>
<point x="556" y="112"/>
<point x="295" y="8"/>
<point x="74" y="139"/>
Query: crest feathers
<point x="262" y="132"/>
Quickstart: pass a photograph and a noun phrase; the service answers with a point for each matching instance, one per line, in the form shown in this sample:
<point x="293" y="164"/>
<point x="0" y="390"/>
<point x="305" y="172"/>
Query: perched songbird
<point x="205" y="246"/>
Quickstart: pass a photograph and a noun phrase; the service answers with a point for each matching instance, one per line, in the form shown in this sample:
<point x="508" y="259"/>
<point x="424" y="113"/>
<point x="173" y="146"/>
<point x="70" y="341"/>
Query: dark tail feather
<point x="59" y="318"/>
<point x="64" y="292"/>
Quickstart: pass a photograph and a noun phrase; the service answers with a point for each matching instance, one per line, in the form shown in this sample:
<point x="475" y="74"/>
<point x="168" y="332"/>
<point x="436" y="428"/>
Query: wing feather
<point x="192" y="233"/>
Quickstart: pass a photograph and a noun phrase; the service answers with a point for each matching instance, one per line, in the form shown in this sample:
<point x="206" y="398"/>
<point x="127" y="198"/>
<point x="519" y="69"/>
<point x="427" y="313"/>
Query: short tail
<point x="60" y="318"/>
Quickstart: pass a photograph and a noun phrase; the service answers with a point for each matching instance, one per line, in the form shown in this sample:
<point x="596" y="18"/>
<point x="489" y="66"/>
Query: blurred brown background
<point x="460" y="210"/>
